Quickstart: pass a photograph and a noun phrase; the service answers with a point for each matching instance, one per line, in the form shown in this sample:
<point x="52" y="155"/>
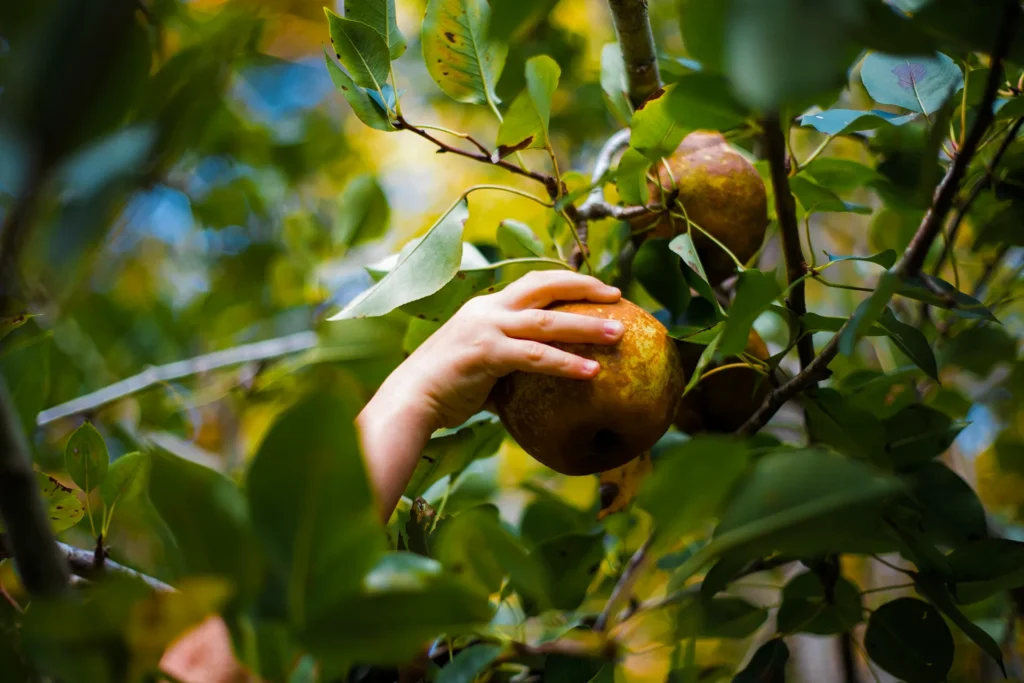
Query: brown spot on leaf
<point x="444" y="73"/>
<point x="460" y="275"/>
<point x="654" y="95"/>
<point x="504" y="150"/>
<point x="450" y="36"/>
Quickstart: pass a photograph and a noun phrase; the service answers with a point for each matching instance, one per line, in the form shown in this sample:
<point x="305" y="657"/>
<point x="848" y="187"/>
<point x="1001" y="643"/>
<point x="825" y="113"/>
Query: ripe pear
<point x="722" y="193"/>
<point x="723" y="401"/>
<point x="586" y="426"/>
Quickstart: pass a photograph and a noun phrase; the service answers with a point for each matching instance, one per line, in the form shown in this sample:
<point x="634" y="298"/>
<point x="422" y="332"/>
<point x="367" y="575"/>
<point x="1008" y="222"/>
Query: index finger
<point x="539" y="288"/>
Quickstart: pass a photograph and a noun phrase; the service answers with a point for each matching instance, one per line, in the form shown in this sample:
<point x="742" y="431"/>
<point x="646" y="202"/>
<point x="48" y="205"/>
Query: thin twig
<point x="624" y="585"/>
<point x="83" y="563"/>
<point x="158" y="374"/>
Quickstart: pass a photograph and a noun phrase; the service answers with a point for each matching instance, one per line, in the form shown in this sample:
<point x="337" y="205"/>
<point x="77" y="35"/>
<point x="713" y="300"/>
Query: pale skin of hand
<point x="444" y="382"/>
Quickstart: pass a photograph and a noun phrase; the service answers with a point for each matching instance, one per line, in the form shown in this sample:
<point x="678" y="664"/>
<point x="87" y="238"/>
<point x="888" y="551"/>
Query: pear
<point x="579" y="427"/>
<point x="723" y="401"/>
<point x="722" y="193"/>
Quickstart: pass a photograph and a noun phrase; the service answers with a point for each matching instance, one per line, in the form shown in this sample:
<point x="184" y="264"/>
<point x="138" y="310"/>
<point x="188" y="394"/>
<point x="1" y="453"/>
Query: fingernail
<point x="613" y="328"/>
<point x="591" y="366"/>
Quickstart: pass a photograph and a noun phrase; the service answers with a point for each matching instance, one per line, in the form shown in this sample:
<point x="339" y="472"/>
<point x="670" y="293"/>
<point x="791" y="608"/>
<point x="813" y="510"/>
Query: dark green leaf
<point x="361" y="50"/>
<point x="566" y="669"/>
<point x="450" y="451"/>
<point x="951" y="512"/>
<point x="703" y="24"/>
<point x="548" y="516"/>
<point x="419" y="272"/>
<point x="972" y="26"/>
<point x="768" y="665"/>
<point x="841" y="175"/>
<point x="363" y="212"/>
<point x="380" y="16"/>
<point x="868" y="312"/>
<point x="917" y="434"/>
<point x="832" y="420"/>
<point x="986" y="567"/>
<point x="936" y="591"/>
<point x="572" y="561"/>
<point x="843" y="121"/>
<point x="813" y="197"/>
<point x="468" y="664"/>
<point x="364" y="107"/>
<point x="886" y="258"/>
<point x="657" y="269"/>
<point x="704" y="101"/>
<point x="86" y="457"/>
<point x="911" y="341"/>
<point x="755" y="292"/>
<point x="979" y="349"/>
<point x="909" y="639"/>
<point x="311" y="504"/>
<point x="26" y="372"/>
<point x="915" y="83"/>
<point x="459" y="54"/>
<point x="963" y="305"/>
<point x="806" y="609"/>
<point x="525" y="125"/>
<point x="719" y="618"/>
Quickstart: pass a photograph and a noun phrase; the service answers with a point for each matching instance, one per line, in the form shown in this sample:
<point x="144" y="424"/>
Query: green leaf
<point x="361" y="50"/>
<point x="868" y="312"/>
<point x="549" y="516"/>
<point x="917" y="434"/>
<point x="658" y="270"/>
<point x="613" y="83"/>
<point x="768" y="665"/>
<point x="806" y="609"/>
<point x="468" y="664"/>
<point x="655" y="132"/>
<point x="63" y="508"/>
<point x="450" y="451"/>
<point x="719" y="618"/>
<point x="205" y="515"/>
<point x="694" y="478"/>
<point x="86" y="457"/>
<point x="380" y="16"/>
<point x="911" y="341"/>
<point x="525" y="125"/>
<point x="916" y="83"/>
<point x="26" y="371"/>
<point x="572" y="561"/>
<point x="126" y="479"/>
<point x="951" y="512"/>
<point x="458" y="52"/>
<point x="813" y="197"/>
<point x="973" y="26"/>
<point x="568" y="669"/>
<point x="844" y="121"/>
<point x="979" y="349"/>
<point x="755" y="292"/>
<point x="311" y="504"/>
<point x="516" y="239"/>
<point x="937" y="592"/>
<point x="704" y="101"/>
<point x="703" y="24"/>
<point x="986" y="567"/>
<point x="443" y="304"/>
<point x="364" y="106"/>
<point x="631" y="177"/>
<point x="963" y="305"/>
<point x="420" y="272"/>
<point x="779" y="51"/>
<point x="693" y="270"/>
<point x="886" y="258"/>
<point x="802" y="502"/>
<point x="841" y="175"/>
<point x="909" y="639"/>
<point x="477" y="549"/>
<point x="362" y="212"/>
<point x="832" y="420"/>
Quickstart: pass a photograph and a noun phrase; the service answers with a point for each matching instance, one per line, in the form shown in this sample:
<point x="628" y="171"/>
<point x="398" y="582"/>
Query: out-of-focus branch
<point x="624" y="585"/>
<point x="83" y="564"/>
<point x="157" y="374"/>
<point x="40" y="565"/>
<point x="633" y="28"/>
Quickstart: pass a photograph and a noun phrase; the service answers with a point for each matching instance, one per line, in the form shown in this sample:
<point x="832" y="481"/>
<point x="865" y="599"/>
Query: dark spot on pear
<point x="445" y="73"/>
<point x="608" y="493"/>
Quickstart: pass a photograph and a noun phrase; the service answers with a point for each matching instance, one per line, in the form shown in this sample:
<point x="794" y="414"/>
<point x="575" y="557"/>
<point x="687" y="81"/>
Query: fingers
<point x="543" y="325"/>
<point x="539" y="288"/>
<point x="534" y="356"/>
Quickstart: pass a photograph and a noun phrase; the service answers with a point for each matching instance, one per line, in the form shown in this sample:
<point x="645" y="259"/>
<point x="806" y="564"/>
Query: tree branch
<point x="931" y="225"/>
<point x="789" y="233"/>
<point x="443" y="147"/>
<point x="157" y="374"/>
<point x="83" y="563"/>
<point x="40" y="565"/>
<point x="636" y="40"/>
<point x="624" y="585"/>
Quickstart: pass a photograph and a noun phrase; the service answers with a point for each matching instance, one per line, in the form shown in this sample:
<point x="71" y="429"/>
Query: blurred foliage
<point x="197" y="179"/>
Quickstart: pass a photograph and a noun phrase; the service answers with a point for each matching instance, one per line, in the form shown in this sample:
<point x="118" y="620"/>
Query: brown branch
<point x="636" y="40"/>
<point x="40" y="565"/>
<point x="624" y="585"/>
<point x="83" y="563"/>
<point x="789" y="232"/>
<point x="983" y="183"/>
<point x="931" y="225"/>
<point x="443" y="147"/>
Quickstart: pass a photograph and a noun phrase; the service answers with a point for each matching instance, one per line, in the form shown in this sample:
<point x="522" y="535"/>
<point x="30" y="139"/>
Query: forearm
<point x="393" y="428"/>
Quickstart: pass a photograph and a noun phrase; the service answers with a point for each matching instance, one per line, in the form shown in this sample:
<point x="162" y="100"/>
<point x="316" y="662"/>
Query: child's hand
<point x="448" y="378"/>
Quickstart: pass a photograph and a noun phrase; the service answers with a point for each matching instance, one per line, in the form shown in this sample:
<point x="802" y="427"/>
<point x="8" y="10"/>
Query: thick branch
<point x="158" y="374"/>
<point x="442" y="147"/>
<point x="789" y="232"/>
<point x="40" y="565"/>
<point x="83" y="563"/>
<point x="633" y="28"/>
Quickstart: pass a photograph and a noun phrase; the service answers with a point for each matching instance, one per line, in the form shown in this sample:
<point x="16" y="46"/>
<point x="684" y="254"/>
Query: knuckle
<point x="544" y="320"/>
<point x="536" y="352"/>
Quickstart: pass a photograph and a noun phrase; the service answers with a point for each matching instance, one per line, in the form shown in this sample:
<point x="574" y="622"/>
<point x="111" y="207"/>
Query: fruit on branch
<point x="724" y="400"/>
<point x="721" y="192"/>
<point x="585" y="426"/>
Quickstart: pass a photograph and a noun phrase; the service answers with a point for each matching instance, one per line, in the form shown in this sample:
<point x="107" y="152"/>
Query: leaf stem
<point x="797" y="167"/>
